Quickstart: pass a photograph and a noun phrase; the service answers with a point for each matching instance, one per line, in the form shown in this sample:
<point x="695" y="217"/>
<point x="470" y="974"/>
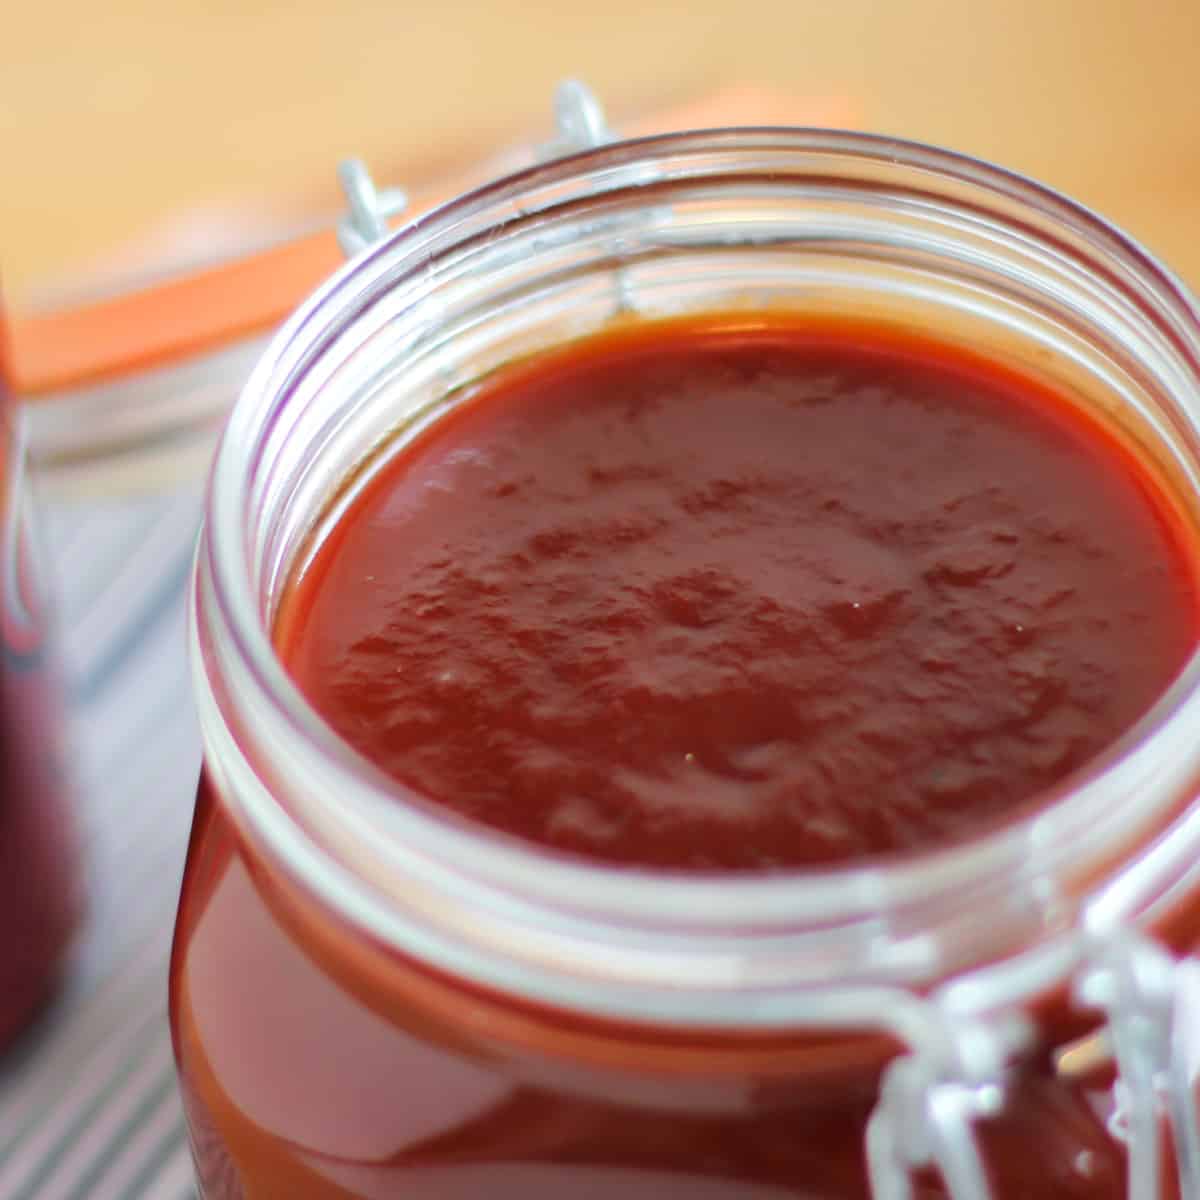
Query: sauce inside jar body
<point x="726" y="595"/>
<point x="40" y="893"/>
<point x="746" y="595"/>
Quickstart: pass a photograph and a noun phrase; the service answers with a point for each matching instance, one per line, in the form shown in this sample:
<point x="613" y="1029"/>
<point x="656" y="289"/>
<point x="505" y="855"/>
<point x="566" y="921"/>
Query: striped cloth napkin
<point x="88" y="1103"/>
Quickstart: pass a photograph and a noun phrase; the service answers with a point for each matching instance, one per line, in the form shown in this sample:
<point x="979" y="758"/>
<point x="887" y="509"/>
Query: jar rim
<point x="829" y="897"/>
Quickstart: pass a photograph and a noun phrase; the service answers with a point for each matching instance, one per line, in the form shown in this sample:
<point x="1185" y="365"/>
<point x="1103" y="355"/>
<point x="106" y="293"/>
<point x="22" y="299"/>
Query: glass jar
<point x="40" y="895"/>
<point x="369" y="1000"/>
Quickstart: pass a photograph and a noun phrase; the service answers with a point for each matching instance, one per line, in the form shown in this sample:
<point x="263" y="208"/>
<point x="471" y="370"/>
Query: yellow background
<point x="117" y="113"/>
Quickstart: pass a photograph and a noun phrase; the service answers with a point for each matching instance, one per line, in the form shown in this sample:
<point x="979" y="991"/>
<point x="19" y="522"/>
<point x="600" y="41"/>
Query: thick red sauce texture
<point x="748" y="594"/>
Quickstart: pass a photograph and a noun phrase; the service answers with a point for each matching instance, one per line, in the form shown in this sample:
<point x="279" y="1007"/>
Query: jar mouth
<point x="1034" y="871"/>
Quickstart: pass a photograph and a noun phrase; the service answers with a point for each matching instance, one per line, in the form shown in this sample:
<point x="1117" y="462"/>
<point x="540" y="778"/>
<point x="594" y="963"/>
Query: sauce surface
<point x="746" y="594"/>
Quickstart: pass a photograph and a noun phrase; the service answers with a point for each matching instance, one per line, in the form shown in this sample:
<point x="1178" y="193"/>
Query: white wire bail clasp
<point x="929" y="1104"/>
<point x="580" y="123"/>
<point x="368" y="209"/>
<point x="1144" y="993"/>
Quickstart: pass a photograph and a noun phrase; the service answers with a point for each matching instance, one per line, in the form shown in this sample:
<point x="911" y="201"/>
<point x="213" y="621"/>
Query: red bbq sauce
<point x="746" y="593"/>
